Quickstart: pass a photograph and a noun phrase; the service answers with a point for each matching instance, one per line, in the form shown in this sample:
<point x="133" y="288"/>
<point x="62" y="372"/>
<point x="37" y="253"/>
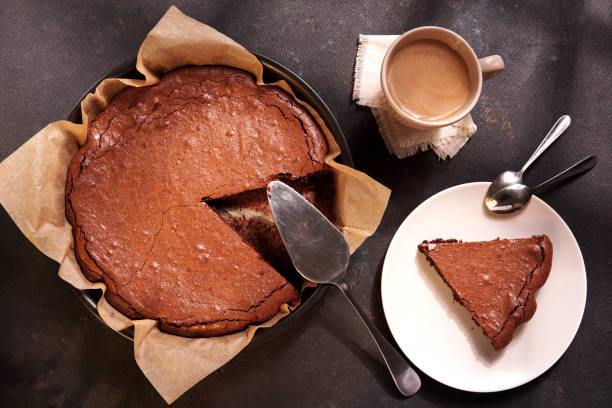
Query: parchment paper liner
<point x="32" y="188"/>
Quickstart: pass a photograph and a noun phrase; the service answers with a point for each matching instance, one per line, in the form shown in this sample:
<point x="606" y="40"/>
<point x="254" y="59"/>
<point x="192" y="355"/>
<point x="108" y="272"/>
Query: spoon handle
<point x="557" y="130"/>
<point x="405" y="378"/>
<point x="582" y="166"/>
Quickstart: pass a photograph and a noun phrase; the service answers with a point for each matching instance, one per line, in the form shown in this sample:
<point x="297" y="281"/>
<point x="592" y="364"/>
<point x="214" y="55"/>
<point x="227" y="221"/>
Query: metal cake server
<point x="321" y="254"/>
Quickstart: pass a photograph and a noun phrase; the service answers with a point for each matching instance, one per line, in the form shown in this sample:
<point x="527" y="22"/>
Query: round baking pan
<point x="273" y="71"/>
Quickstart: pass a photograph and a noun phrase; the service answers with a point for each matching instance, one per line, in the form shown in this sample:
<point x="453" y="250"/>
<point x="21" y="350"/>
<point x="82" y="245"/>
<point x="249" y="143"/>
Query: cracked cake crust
<point x="136" y="192"/>
<point x="494" y="280"/>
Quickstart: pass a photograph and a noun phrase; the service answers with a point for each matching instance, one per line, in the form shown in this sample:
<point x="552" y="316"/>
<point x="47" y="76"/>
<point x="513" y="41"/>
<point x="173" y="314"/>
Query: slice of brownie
<point x="494" y="280"/>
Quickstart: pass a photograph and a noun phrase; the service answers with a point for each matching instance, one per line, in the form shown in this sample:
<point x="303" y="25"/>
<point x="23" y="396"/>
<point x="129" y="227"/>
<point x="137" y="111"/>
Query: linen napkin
<point x="401" y="140"/>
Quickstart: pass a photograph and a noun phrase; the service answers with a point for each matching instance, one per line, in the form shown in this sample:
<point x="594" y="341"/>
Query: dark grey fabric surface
<point x="558" y="57"/>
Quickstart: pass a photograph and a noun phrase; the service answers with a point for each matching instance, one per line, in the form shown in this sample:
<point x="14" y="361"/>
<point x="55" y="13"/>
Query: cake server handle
<point x="404" y="376"/>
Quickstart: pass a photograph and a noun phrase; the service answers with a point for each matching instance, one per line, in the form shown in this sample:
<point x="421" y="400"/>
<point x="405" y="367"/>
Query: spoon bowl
<point x="508" y="199"/>
<point x="504" y="180"/>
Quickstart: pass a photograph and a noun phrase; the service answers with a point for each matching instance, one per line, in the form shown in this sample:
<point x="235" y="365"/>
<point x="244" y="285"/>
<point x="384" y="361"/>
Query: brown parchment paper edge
<point x="32" y="183"/>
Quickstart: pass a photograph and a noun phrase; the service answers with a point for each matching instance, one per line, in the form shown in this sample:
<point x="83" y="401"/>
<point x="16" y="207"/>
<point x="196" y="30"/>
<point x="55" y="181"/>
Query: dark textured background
<point x="558" y="57"/>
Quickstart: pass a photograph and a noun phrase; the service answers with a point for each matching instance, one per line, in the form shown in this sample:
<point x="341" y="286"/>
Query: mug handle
<point x="491" y="66"/>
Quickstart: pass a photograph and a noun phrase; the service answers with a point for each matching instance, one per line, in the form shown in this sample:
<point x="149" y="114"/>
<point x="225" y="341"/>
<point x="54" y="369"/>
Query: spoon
<point x="516" y="196"/>
<point x="509" y="178"/>
<point x="320" y="254"/>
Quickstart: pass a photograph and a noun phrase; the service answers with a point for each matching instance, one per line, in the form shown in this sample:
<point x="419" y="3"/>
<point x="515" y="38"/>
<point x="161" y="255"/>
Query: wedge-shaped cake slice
<point x="494" y="280"/>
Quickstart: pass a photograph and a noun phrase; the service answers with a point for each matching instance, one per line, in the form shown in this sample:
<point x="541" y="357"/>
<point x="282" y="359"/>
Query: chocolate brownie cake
<point x="137" y="197"/>
<point x="494" y="280"/>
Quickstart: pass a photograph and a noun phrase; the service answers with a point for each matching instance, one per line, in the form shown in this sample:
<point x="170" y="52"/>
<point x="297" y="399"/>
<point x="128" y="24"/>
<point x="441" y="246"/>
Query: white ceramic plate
<point x="438" y="335"/>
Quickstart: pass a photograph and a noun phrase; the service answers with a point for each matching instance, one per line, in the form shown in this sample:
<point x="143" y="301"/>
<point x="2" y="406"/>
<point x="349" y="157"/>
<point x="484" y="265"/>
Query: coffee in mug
<point x="428" y="79"/>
